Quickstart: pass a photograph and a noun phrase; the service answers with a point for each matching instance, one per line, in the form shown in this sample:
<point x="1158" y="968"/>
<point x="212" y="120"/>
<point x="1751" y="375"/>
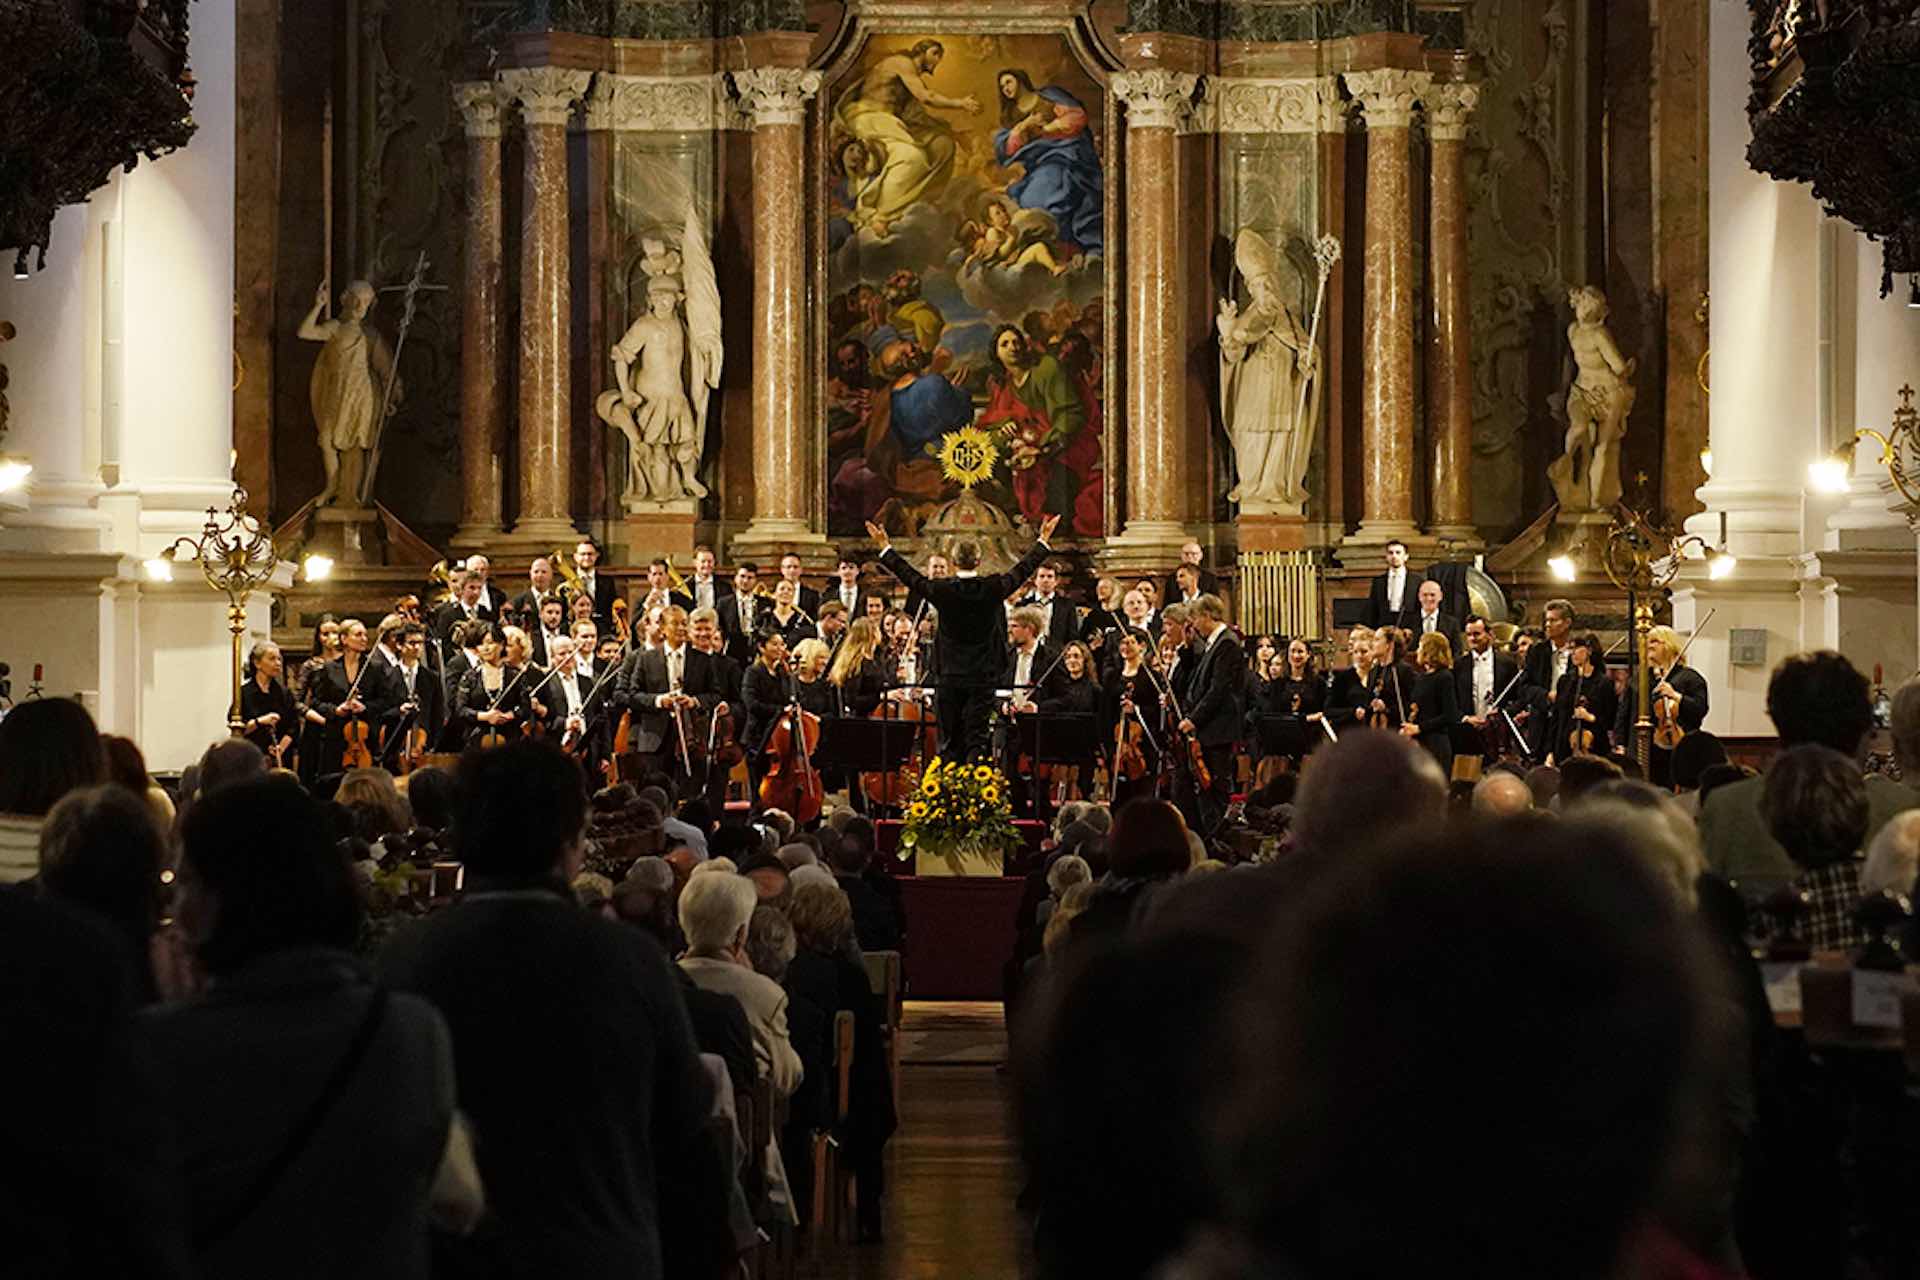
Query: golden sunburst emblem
<point x="967" y="456"/>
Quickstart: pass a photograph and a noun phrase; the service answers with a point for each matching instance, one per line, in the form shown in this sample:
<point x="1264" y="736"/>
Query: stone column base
<point x="1464" y="539"/>
<point x="474" y="537"/>
<point x="1271" y="532"/>
<point x="536" y="537"/>
<point x="1366" y="547"/>
<point x="659" y="529"/>
<point x="766" y="539"/>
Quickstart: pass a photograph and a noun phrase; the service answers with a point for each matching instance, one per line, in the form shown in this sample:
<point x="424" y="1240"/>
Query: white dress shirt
<point x="1427" y="623"/>
<point x="702" y="592"/>
<point x="1396" y="588"/>
<point x="1482" y="681"/>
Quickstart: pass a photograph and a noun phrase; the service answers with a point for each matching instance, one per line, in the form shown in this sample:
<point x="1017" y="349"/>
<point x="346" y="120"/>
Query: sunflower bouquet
<point x="958" y="805"/>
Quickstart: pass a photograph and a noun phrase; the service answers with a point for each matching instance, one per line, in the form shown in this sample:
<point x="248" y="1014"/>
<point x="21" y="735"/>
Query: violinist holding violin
<point x="1214" y="713"/>
<point x="1585" y="703"/>
<point x="1677" y="705"/>
<point x="665" y="688"/>
<point x="492" y="701"/>
<point x="353" y="694"/>
<point x="1130" y="722"/>
<point x="266" y="705"/>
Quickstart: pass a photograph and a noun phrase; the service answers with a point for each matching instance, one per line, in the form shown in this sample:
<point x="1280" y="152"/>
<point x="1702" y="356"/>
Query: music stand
<point x="1284" y="736"/>
<point x="856" y="745"/>
<point x="1063" y="738"/>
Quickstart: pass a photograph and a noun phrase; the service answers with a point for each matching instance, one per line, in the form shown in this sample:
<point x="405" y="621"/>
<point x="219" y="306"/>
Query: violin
<point x="1129" y="761"/>
<point x="1580" y="740"/>
<point x="357" y="732"/>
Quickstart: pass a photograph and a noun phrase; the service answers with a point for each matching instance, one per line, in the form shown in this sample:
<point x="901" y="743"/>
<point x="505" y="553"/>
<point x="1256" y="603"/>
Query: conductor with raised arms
<point x="970" y="650"/>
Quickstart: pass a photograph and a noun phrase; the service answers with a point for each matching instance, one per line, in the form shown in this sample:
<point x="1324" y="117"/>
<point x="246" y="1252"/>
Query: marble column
<point x="784" y="468"/>
<point x="1449" y="351"/>
<point x="480" y="425"/>
<point x="1387" y="99"/>
<point x="546" y="96"/>
<point x="1159" y="103"/>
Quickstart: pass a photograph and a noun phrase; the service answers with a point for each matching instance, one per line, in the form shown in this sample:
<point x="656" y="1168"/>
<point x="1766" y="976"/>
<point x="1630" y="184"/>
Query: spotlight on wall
<point x="13" y="473"/>
<point x="1721" y="564"/>
<point x="316" y="568"/>
<point x="1829" y="474"/>
<point x="1563" y="568"/>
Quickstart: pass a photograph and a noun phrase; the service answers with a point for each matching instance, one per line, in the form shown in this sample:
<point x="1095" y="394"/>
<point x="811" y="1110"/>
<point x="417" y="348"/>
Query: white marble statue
<point x="1265" y="358"/>
<point x="348" y="385"/>
<point x="1587" y="476"/>
<point x="667" y="369"/>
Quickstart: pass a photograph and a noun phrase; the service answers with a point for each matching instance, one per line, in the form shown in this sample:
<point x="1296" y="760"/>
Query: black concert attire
<point x="1438" y="710"/>
<point x="819" y="697"/>
<point x="1007" y="739"/>
<point x="856" y="608"/>
<point x="1501" y="670"/>
<point x="1601" y="698"/>
<point x="739" y="624"/>
<point x="1392" y="685"/>
<point x="766" y="695"/>
<point x="970" y="650"/>
<point x="329" y="690"/>
<point x="644" y="678"/>
<point x="1213" y="703"/>
<point x="474" y="697"/>
<point x="1543" y="670"/>
<point x="603" y="591"/>
<point x="1170" y="589"/>
<point x="1383" y="610"/>
<point x="1443" y="624"/>
<point x="273" y="700"/>
<point x="422" y="688"/>
<point x="1104" y="622"/>
<point x="1347" y="692"/>
<point x="864" y="687"/>
<point x="527" y="603"/>
<point x="807" y="599"/>
<point x="591" y="747"/>
<point x="1146" y="700"/>
<point x="1061" y="616"/>
<point x="1065" y="696"/>
<point x="798" y="626"/>
<point x="306" y="739"/>
<point x="727" y="676"/>
<point x="1692" y="688"/>
<point x="449" y="616"/>
<point x="1296" y="699"/>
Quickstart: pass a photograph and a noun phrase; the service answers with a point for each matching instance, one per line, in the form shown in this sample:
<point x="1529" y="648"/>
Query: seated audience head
<point x="1715" y="776"/>
<point x="520" y="813"/>
<point x="1697" y="752"/>
<point x="48" y="747"/>
<point x="715" y="909"/>
<point x="1539" y="1164"/>
<point x="593" y="892"/>
<point x="856" y="842"/>
<point x="812" y="873"/>
<point x="259" y="873"/>
<point x="770" y="945"/>
<point x="1579" y="774"/>
<point x="1658" y="830"/>
<point x="1544" y="781"/>
<point x="1363" y="785"/>
<point x="1066" y="872"/>
<point x="1820" y="698"/>
<point x="1501" y="793"/>
<point x="1815" y="804"/>
<point x="103" y="847"/>
<point x="1149" y="841"/>
<point x="1905" y="728"/>
<point x="1893" y="859"/>
<point x="430" y="794"/>
<point x="228" y="761"/>
<point x="822" y="918"/>
<point x="771" y="880"/>
<point x="796" y="855"/>
<point x="1099" y="817"/>
<point x="375" y="803"/>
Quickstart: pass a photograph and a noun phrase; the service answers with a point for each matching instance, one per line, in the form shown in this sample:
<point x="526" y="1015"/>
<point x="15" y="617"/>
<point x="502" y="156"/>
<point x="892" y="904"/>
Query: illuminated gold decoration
<point x="968" y="456"/>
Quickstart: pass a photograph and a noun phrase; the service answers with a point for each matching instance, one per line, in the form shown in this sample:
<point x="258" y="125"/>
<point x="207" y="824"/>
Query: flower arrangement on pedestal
<point x="958" y="810"/>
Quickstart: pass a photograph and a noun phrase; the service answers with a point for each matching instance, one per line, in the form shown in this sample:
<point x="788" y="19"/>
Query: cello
<point x="791" y="783"/>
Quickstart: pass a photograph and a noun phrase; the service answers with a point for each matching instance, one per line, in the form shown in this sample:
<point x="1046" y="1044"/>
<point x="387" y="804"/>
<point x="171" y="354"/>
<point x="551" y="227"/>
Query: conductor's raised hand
<point x="878" y="534"/>
<point x="1047" y="527"/>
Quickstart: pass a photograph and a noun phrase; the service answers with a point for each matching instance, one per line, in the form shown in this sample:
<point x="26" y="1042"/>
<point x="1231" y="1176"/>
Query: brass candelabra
<point x="237" y="557"/>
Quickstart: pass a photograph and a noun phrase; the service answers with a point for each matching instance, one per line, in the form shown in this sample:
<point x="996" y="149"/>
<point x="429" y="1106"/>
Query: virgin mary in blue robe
<point x="1049" y="132"/>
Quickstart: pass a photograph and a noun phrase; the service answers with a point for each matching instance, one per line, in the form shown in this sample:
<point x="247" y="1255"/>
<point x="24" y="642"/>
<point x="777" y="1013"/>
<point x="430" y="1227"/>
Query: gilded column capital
<point x="1448" y="106"/>
<point x="546" y="94"/>
<point x="653" y="104"/>
<point x="1387" y="96"/>
<point x="1157" y="99"/>
<point x="481" y="107"/>
<point x="775" y="95"/>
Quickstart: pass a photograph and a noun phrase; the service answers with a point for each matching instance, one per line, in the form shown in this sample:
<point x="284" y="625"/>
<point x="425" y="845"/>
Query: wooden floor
<point x="953" y="1167"/>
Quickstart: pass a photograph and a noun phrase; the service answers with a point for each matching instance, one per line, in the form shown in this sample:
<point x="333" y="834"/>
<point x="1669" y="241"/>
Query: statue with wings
<point x="667" y="369"/>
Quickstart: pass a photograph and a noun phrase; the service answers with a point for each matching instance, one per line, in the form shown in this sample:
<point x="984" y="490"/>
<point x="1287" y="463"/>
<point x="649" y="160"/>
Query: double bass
<point x="792" y="783"/>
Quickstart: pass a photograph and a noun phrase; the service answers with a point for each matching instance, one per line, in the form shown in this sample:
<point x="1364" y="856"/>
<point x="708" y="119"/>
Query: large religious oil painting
<point x="965" y="238"/>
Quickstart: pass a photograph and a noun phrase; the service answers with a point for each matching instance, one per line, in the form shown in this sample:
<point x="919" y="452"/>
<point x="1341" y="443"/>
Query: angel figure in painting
<point x="1010" y="238"/>
<point x="347" y="387"/>
<point x="1587" y="476"/>
<point x="666" y="370"/>
<point x="1265" y="356"/>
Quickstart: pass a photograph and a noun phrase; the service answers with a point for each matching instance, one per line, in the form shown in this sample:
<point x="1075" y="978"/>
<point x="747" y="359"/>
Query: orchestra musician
<point x="660" y="590"/>
<point x="423" y="699"/>
<point x="1433" y="709"/>
<point x="596" y="589"/>
<point x="1680" y="687"/>
<point x="572" y="721"/>
<point x="1138" y="613"/>
<point x="656" y="683"/>
<point x="492" y="698"/>
<point x="1073" y="691"/>
<point x="1101" y="627"/>
<point x="766" y="690"/>
<point x="1131" y="697"/>
<point x="970" y="652"/>
<point x="464" y="607"/>
<point x="809" y="662"/>
<point x="341" y="701"/>
<point x="792" y="620"/>
<point x="1584" y="700"/>
<point x="266" y="704"/>
<point x="549" y="623"/>
<point x="703" y="588"/>
<point x="1481" y="675"/>
<point x="1390" y="596"/>
<point x="1213" y="713"/>
<point x="857" y="676"/>
<point x="1060" y="621"/>
<point x="1546" y="663"/>
<point x="324" y="648"/>
<point x="846" y="588"/>
<point x="805" y="598"/>
<point x="1390" y="679"/>
<point x="703" y="633"/>
<point x="1350" y="695"/>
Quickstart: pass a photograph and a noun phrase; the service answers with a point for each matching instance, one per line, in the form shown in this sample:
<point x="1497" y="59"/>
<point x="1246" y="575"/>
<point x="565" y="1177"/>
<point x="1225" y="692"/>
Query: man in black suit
<point x="703" y="588"/>
<point x="1193" y="555"/>
<point x="847" y="589"/>
<point x="423" y="703"/>
<point x="971" y="649"/>
<point x="596" y="586"/>
<point x="491" y="599"/>
<point x="1481" y="675"/>
<point x="1060" y="621"/>
<point x="653" y="683"/>
<point x="1214" y="711"/>
<point x="464" y="607"/>
<point x="1547" y="660"/>
<point x="660" y="592"/>
<point x="1430" y="619"/>
<point x="739" y="612"/>
<point x="577" y="717"/>
<point x="548" y="625"/>
<point x="1390" y="599"/>
<point x="803" y="595"/>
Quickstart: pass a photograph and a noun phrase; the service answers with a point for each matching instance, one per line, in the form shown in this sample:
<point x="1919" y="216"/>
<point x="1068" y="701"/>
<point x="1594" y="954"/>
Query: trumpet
<point x="563" y="566"/>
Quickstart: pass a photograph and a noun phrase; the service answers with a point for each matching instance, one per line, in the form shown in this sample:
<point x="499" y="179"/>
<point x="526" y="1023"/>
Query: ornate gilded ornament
<point x="968" y="456"/>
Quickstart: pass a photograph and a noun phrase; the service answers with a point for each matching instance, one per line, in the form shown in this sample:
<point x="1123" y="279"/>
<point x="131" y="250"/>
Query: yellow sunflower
<point x="990" y="793"/>
<point x="917" y="809"/>
<point x="983" y="773"/>
<point x="930" y="787"/>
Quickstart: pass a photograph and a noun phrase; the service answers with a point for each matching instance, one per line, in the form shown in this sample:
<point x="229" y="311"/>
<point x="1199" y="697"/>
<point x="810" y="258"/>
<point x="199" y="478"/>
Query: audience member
<point x="48" y="747"/>
<point x="1697" y="752"/>
<point x="796" y="855"/>
<point x="1893" y="859"/>
<point x="373" y="804"/>
<point x="1580" y="774"/>
<point x="306" y="1098"/>
<point x="823" y="975"/>
<point x="429" y="792"/>
<point x="770" y="944"/>
<point x="812" y="873"/>
<point x="1359" y="788"/>
<point x="1813" y="698"/>
<point x="102" y="848"/>
<point x="1814" y="802"/>
<point x="127" y="765"/>
<point x="771" y="880"/>
<point x="574" y="1056"/>
<point x="1501" y="793"/>
<point x="879" y="923"/>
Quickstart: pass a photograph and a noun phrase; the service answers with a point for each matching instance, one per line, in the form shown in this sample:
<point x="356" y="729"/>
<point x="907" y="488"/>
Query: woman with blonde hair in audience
<point x="824" y="976"/>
